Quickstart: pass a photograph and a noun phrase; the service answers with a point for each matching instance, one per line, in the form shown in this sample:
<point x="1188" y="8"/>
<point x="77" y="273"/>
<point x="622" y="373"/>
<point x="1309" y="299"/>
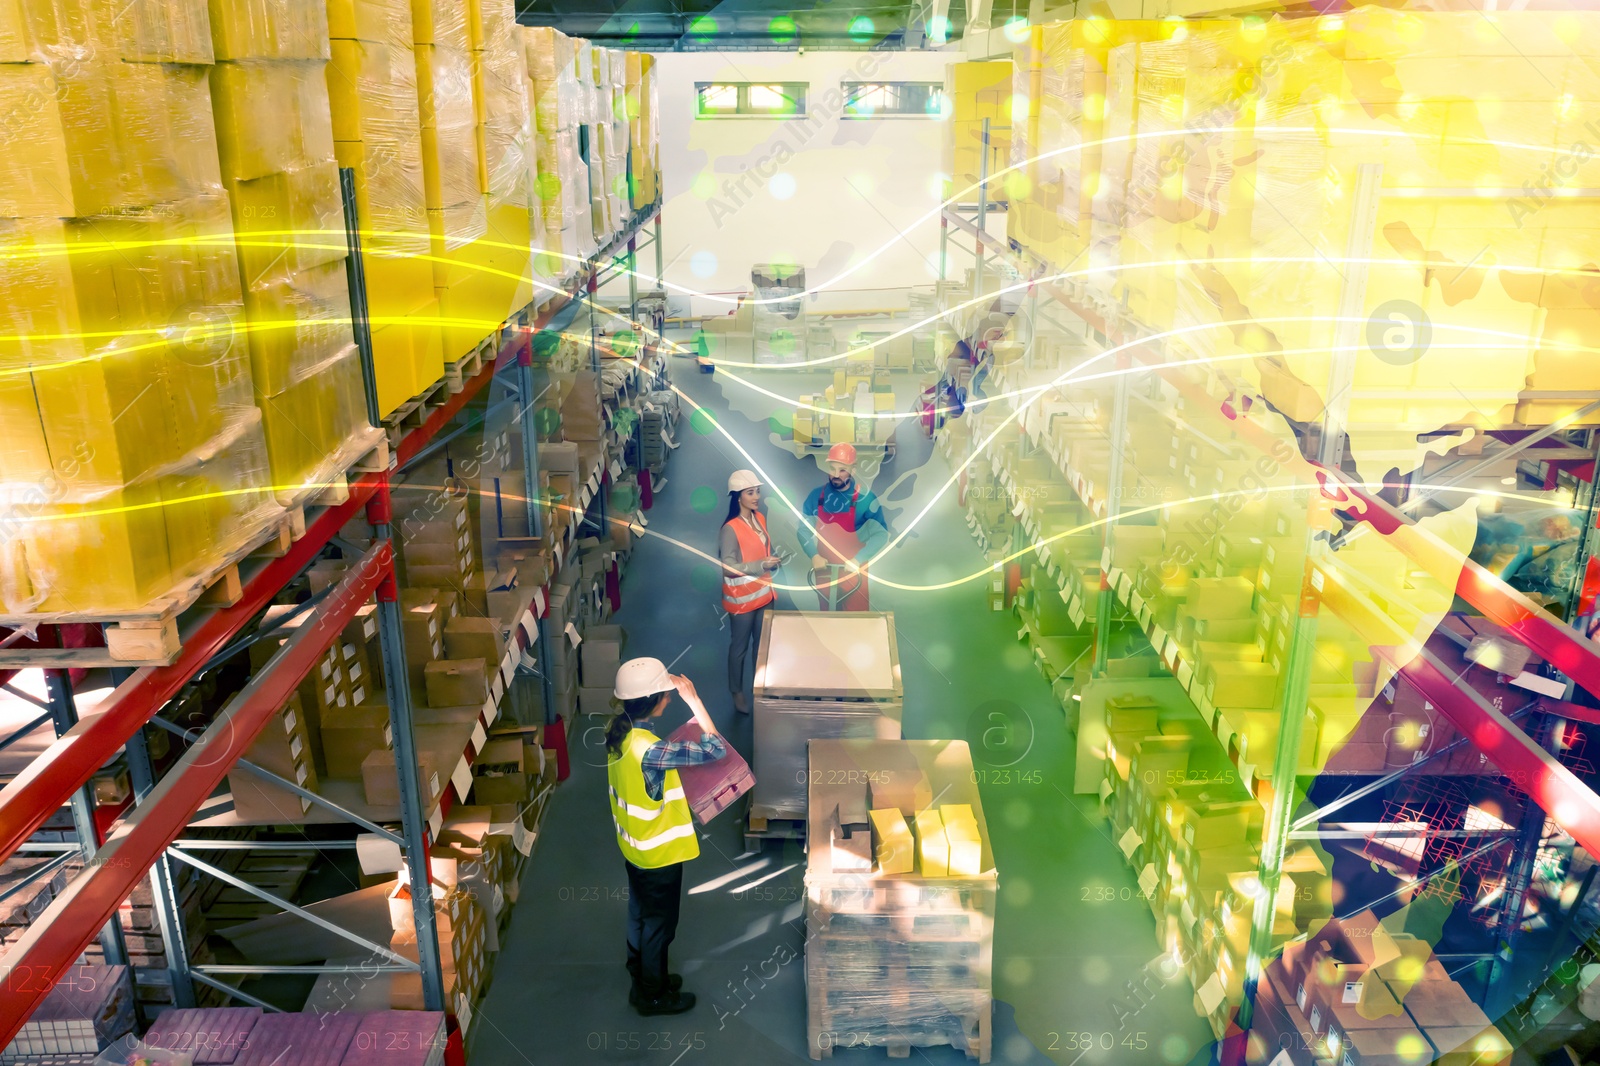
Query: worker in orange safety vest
<point x="748" y="562"/>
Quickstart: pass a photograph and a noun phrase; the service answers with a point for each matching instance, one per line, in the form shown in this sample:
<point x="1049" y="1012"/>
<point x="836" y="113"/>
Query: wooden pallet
<point x="463" y="370"/>
<point x="759" y="828"/>
<point x="151" y="634"/>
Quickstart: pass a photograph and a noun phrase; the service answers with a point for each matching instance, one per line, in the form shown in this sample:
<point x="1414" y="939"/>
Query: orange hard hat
<point x="842" y="453"/>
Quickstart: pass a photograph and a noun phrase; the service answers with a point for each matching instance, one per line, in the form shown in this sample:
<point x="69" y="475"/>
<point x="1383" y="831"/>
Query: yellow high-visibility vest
<point x="651" y="833"/>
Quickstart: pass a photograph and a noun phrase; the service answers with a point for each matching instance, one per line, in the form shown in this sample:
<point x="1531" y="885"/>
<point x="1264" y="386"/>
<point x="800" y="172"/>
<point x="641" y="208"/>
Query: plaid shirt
<point x="673" y="754"/>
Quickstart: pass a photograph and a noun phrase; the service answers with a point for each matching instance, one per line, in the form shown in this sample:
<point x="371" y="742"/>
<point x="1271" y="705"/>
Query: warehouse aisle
<point x="1071" y="929"/>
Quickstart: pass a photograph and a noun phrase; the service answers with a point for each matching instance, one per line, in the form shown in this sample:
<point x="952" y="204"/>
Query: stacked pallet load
<point x="552" y="59"/>
<point x="88" y="1010"/>
<point x="643" y="129"/>
<point x="978" y="92"/>
<point x="900" y="898"/>
<point x="270" y="96"/>
<point x="483" y="276"/>
<point x="134" y="449"/>
<point x="377" y="128"/>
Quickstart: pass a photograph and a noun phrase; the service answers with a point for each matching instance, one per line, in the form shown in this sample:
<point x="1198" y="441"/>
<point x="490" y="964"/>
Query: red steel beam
<point x="1532" y="769"/>
<point x="59" y="935"/>
<point x="61" y="769"/>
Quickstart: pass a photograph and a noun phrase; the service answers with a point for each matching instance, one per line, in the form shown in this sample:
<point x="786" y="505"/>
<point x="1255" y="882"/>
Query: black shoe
<point x="674" y="982"/>
<point x="670" y="1003"/>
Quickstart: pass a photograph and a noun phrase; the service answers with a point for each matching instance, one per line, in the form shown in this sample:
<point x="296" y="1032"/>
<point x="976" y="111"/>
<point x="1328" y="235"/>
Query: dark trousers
<point x="653" y="898"/>
<point x="746" y="640"/>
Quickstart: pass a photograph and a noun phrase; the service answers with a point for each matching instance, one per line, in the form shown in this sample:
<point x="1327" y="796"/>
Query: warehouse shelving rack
<point x="1438" y="672"/>
<point x="148" y="839"/>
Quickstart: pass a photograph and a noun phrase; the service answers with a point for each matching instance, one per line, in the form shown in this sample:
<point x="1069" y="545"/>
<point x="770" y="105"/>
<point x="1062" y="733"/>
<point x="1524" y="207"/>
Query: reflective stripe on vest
<point x="742" y="593"/>
<point x="651" y="833"/>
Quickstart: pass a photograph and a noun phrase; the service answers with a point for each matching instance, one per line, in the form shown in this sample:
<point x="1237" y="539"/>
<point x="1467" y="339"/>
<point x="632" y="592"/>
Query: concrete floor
<point x="1065" y="958"/>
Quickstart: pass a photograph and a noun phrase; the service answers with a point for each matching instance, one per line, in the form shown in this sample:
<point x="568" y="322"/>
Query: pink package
<point x="712" y="787"/>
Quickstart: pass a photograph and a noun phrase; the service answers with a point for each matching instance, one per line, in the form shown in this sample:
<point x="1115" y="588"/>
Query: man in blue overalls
<point x="843" y="524"/>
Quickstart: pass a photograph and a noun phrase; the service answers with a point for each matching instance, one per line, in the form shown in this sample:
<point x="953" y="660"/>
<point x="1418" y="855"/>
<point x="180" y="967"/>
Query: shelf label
<point x="1130" y="840"/>
<point x="491" y="711"/>
<point x="479" y="735"/>
<point x="461" y="778"/>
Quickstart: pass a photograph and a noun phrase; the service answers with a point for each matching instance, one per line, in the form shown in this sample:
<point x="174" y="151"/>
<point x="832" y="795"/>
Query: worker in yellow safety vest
<point x="748" y="561"/>
<point x="655" y="829"/>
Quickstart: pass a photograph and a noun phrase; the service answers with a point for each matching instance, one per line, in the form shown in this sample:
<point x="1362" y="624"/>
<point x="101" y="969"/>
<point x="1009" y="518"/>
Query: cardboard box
<point x="601" y="655"/>
<point x="380" y="781"/>
<point x="596" y="701"/>
<point x="1248" y="686"/>
<point x="966" y="846"/>
<point x="933" y="848"/>
<point x="470" y="637"/>
<point x="456" y="683"/>
<point x="350" y="736"/>
<point x="892" y="846"/>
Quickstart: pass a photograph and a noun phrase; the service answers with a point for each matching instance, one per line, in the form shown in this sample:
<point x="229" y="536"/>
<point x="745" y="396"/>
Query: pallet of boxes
<point x="900" y="898"/>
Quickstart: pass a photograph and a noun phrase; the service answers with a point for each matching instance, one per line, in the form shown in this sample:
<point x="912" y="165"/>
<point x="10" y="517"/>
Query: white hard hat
<point x="642" y="677"/>
<point x="740" y="480"/>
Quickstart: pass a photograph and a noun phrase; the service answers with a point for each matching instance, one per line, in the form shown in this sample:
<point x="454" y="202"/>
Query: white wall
<point x="860" y="186"/>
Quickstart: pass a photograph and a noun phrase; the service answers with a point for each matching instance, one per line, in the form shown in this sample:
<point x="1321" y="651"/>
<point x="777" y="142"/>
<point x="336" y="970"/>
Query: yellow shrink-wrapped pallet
<point x="276" y="141"/>
<point x="484" y="280"/>
<point x="372" y="88"/>
<point x="977" y="91"/>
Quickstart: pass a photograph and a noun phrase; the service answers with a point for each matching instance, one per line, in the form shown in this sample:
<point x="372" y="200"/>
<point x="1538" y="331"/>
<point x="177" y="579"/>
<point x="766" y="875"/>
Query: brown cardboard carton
<point x="470" y="637"/>
<point x="350" y="736"/>
<point x="456" y="683"/>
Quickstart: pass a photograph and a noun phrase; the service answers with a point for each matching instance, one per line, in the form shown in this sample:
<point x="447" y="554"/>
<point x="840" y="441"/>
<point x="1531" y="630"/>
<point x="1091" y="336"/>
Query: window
<point x="750" y="99"/>
<point x="893" y="99"/>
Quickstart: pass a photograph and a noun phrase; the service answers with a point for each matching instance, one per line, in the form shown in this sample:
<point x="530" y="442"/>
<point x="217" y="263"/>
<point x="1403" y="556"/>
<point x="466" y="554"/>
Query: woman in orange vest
<point x="748" y="561"/>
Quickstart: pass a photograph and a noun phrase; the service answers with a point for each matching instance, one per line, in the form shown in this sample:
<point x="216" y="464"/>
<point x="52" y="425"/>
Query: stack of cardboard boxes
<point x="130" y="416"/>
<point x="270" y="97"/>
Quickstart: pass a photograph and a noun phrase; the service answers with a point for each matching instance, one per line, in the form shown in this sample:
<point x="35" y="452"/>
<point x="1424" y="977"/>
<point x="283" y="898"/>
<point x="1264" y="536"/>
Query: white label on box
<point x="355" y="674"/>
<point x="463" y="1012"/>
<point x="327" y="667"/>
<point x="479" y="735"/>
<point x="496" y="689"/>
<point x="348" y="651"/>
<point x="290" y="720"/>
<point x="573" y="635"/>
<point x="521" y="839"/>
<point x="462" y="779"/>
<point x="1148" y="879"/>
<point x="461" y="518"/>
<point x="300" y="774"/>
<point x="1185" y="674"/>
<point x="369" y="627"/>
<point x="433" y="786"/>
<point x="359" y="695"/>
<point x="1130" y="840"/>
<point x="508" y="669"/>
<point x="295" y="747"/>
<point x="341" y="700"/>
<point x="491" y="711"/>
<point x="388" y="735"/>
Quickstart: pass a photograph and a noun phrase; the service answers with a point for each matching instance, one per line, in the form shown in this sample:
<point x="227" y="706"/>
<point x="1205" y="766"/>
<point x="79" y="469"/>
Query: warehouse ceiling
<point x="696" y="25"/>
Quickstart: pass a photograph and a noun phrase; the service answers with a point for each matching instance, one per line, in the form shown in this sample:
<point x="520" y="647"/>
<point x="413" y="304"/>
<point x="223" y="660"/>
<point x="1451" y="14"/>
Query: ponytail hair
<point x="632" y="713"/>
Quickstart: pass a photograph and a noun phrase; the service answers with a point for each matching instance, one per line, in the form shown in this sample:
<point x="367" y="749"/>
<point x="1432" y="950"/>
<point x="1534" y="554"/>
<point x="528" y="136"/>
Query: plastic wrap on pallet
<point x="895" y="959"/>
<point x="269" y="29"/>
<point x="449" y="139"/>
<point x="278" y="163"/>
<point x="101" y="31"/>
<point x="782" y="728"/>
<point x="506" y="116"/>
<point x="552" y="70"/>
<point x="134" y="457"/>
